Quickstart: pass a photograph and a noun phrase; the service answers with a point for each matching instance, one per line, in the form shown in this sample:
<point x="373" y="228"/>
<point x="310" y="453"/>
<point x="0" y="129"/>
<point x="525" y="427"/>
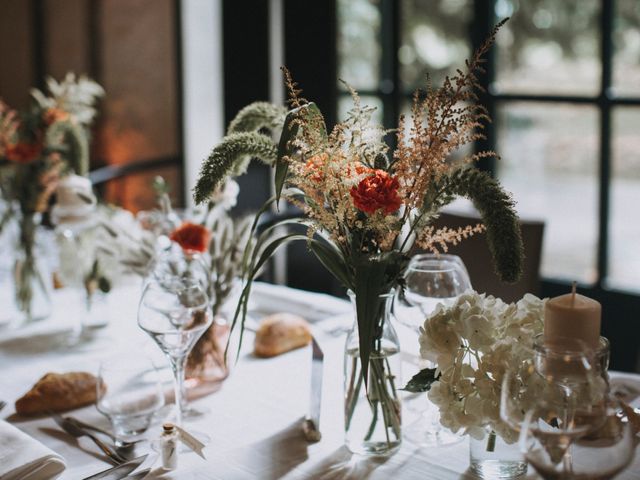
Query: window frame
<point x="605" y="101"/>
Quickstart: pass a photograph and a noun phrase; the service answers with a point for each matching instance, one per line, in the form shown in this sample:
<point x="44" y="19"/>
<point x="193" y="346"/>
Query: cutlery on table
<point x="138" y="475"/>
<point x="120" y="471"/>
<point x="88" y="426"/>
<point x="75" y="431"/>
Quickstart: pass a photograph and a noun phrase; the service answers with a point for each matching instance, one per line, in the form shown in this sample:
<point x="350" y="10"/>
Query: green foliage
<point x="373" y="276"/>
<point x="256" y="116"/>
<point x="422" y="381"/>
<point x="308" y="114"/>
<point x="71" y="141"/>
<point x="231" y="158"/>
<point x="497" y="209"/>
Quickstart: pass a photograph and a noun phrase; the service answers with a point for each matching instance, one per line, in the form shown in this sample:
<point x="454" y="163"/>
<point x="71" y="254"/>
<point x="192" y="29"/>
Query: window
<point x="564" y="92"/>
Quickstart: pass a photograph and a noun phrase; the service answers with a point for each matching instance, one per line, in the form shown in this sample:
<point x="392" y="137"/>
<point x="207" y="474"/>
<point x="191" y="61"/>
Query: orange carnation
<point x="23" y="152"/>
<point x="379" y="191"/>
<point x="191" y="237"/>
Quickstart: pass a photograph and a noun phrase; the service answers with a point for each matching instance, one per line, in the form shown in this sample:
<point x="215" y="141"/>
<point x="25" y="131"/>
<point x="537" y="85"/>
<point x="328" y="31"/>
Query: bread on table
<point x="280" y="333"/>
<point x="58" y="392"/>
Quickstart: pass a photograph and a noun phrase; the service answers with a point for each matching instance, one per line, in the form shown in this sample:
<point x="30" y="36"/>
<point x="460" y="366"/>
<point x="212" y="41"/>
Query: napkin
<point x="24" y="458"/>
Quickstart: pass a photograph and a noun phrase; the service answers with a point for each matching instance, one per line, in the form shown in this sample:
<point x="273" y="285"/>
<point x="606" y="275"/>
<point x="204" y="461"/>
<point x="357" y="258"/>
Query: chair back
<point x="476" y="256"/>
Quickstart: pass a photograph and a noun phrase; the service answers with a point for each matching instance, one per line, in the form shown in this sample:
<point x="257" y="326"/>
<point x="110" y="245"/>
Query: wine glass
<point x="597" y="444"/>
<point x="175" y="319"/>
<point x="570" y="427"/>
<point x="430" y="279"/>
<point x="172" y="268"/>
<point x="129" y="393"/>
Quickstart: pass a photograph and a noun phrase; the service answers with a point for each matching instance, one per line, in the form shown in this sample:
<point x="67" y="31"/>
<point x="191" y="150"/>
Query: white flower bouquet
<point x="473" y="342"/>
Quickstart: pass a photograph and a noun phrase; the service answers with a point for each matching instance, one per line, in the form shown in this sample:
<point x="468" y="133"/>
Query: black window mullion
<point x="606" y="55"/>
<point x="484" y="19"/>
<point x="390" y="90"/>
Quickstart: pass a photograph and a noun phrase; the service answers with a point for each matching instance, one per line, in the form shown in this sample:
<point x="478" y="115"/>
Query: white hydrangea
<point x="472" y="343"/>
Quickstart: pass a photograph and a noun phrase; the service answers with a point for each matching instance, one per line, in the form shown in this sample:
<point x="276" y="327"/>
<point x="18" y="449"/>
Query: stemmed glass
<point x="430" y="279"/>
<point x="570" y="426"/>
<point x="175" y="318"/>
<point x="129" y="393"/>
<point x="173" y="267"/>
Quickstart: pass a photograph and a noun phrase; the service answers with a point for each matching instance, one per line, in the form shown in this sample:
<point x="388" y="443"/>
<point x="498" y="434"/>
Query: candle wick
<point x="573" y="292"/>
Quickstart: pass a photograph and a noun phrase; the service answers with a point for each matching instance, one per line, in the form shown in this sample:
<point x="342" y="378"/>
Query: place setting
<point x="335" y="283"/>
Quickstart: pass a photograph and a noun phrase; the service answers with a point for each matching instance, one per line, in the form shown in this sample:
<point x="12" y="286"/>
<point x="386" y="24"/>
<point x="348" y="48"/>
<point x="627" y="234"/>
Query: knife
<point x="121" y="471"/>
<point x="311" y="425"/>
<point x="138" y="475"/>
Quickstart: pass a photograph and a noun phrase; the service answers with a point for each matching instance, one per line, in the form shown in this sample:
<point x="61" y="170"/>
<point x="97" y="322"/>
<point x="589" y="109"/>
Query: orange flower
<point x="315" y="167"/>
<point x="191" y="237"/>
<point x="379" y="191"/>
<point x="23" y="152"/>
<point x="357" y="168"/>
<point x="52" y="115"/>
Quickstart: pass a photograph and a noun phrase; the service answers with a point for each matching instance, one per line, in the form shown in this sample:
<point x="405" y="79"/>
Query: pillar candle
<point x="572" y="318"/>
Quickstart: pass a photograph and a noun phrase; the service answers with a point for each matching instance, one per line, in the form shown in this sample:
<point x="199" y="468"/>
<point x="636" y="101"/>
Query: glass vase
<point x="206" y="365"/>
<point x="491" y="457"/>
<point x="373" y="412"/>
<point x="31" y="277"/>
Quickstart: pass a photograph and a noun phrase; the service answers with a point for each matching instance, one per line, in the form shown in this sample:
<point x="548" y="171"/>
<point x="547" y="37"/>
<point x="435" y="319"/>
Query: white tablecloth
<point x="254" y="421"/>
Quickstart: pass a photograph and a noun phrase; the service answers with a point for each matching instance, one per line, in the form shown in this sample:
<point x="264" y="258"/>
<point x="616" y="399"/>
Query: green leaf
<point x="306" y="114"/>
<point x="422" y="381"/>
<point x="369" y="285"/>
<point x="331" y="257"/>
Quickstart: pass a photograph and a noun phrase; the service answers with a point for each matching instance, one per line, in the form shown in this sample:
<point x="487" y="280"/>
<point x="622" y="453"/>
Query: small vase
<point x="31" y="278"/>
<point x="206" y="365"/>
<point x="491" y="457"/>
<point x="373" y="423"/>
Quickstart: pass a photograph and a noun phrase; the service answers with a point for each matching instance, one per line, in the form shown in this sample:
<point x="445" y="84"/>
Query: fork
<point x="2" y="404"/>
<point x="88" y="426"/>
<point x="75" y="431"/>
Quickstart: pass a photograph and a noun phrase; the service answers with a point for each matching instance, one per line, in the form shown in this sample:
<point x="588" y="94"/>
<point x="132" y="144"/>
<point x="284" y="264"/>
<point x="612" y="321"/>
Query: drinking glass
<point x="175" y="318"/>
<point x="570" y="427"/>
<point x="173" y="267"/>
<point x="129" y="393"/>
<point x="430" y="279"/>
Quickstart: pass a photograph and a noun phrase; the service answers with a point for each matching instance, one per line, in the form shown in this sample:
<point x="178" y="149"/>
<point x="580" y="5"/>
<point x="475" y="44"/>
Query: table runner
<point x="254" y="420"/>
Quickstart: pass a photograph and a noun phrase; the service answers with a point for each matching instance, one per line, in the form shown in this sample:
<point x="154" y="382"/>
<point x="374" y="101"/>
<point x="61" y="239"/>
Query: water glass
<point x="430" y="279"/>
<point x="129" y="393"/>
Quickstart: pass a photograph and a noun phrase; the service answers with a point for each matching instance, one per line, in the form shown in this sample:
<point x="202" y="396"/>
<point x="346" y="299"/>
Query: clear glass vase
<point x="491" y="457"/>
<point x="31" y="275"/>
<point x="373" y="420"/>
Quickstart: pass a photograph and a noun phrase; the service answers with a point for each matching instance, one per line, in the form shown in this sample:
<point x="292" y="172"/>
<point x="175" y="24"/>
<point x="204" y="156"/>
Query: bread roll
<point x="280" y="333"/>
<point x="58" y="392"/>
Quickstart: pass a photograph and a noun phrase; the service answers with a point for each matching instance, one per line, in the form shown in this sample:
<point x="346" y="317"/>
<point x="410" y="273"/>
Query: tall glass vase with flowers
<point x="37" y="147"/>
<point x="366" y="208"/>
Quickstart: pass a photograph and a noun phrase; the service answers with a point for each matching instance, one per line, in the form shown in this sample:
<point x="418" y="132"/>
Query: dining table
<point x="254" y="421"/>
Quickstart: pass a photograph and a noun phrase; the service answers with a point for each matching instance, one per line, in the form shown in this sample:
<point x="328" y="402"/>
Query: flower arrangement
<point x="37" y="147"/>
<point x="366" y="207"/>
<point x="473" y="342"/>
